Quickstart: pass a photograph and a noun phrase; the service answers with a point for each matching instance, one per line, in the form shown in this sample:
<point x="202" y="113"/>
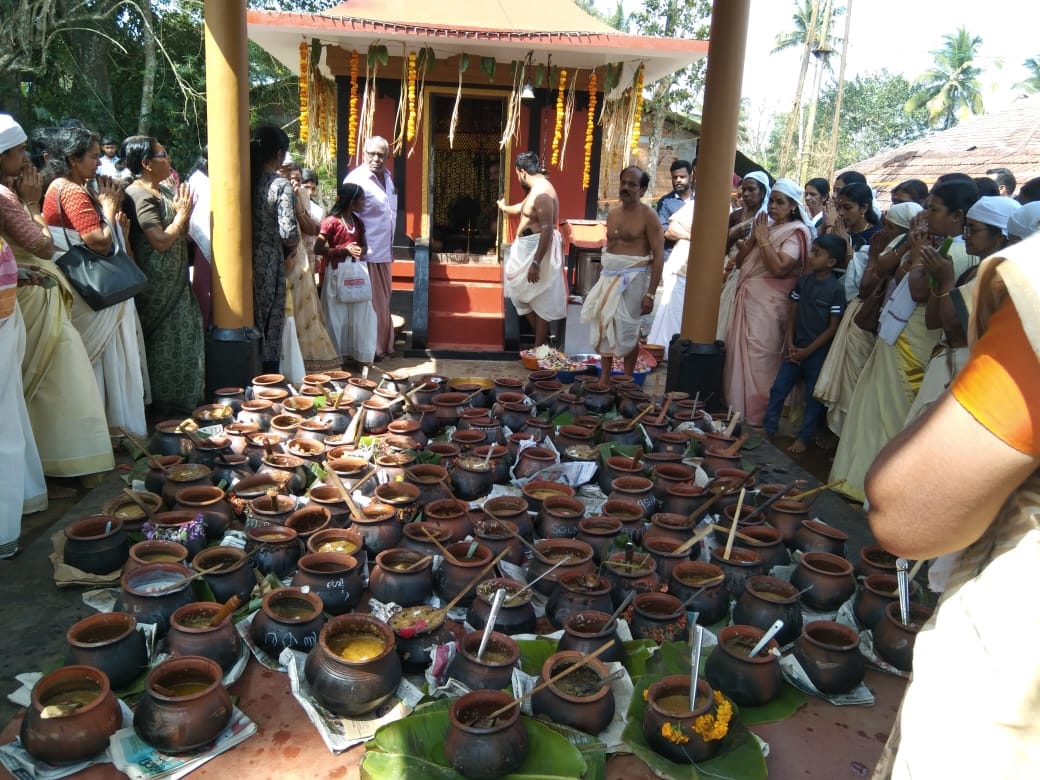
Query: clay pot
<point x="300" y="405"/>
<point x="411" y="430"/>
<point x="498" y="536"/>
<point x="516" y="615"/>
<point x="426" y="386"/>
<point x="208" y="451"/>
<point x="156" y="478"/>
<point x="550" y="552"/>
<point x="694" y="750"/>
<point x="670" y="474"/>
<point x="660" y="617"/>
<point x="514" y="509"/>
<point x="629" y="513"/>
<point x="96" y="544"/>
<point x="308" y="449"/>
<point x="514" y="415"/>
<point x="537" y="490"/>
<point x="829" y="654"/>
<point x="540" y="429"/>
<point x="471" y="477"/>
<point x="639" y="490"/>
<point x="416" y="537"/>
<point x="187" y="635"/>
<point x="814" y="536"/>
<point x="766" y="600"/>
<point x="393" y="464"/>
<point x="308" y="521"/>
<point x="739" y="567"/>
<point x="576" y="592"/>
<point x="448" y="407"/>
<point x="662" y="550"/>
<point x="377" y="415"/>
<point x="431" y="480"/>
<point x="182" y="476"/>
<point x="183" y="526"/>
<point x="568" y="700"/>
<point x="730" y="481"/>
<point x="155" y="551"/>
<point x="288" y="470"/>
<point x="640" y="576"/>
<point x="498" y="462"/>
<point x="231" y="468"/>
<point x="272" y="510"/>
<point x="82" y="733"/>
<point x="482" y="750"/>
<point x="184" y="706"/>
<point x="451" y="515"/>
<point x="831" y="577"/>
<point x="875" y="559"/>
<point x="716" y="459"/>
<point x="354" y="687"/>
<point x="666" y="525"/>
<point x="893" y="641"/>
<point x="275" y="549"/>
<point x="532" y="460"/>
<point x="256" y="447"/>
<point x="748" y="681"/>
<point x="559" y="517"/>
<point x="338" y="379"/>
<point x="329" y="497"/>
<point x="230" y="396"/>
<point x="586" y="632"/>
<point x="458" y="570"/>
<point x="334" y="577"/>
<point x="379" y="527"/>
<point x="494" y="671"/>
<point x="346" y="541"/>
<point x="712" y="603"/>
<point x="878" y="591"/>
<point x="505" y="384"/>
<point x="234" y="577"/>
<point x="396" y="382"/>
<point x="168" y="439"/>
<point x="348" y="468"/>
<point x="144" y="594"/>
<point x="285" y="425"/>
<point x="125" y="509"/>
<point x="598" y="398"/>
<point x="357" y="390"/>
<point x="389" y="581"/>
<point x="768" y="543"/>
<point x="570" y="435"/>
<point x="668" y="442"/>
<point x="256" y="412"/>
<point x="599" y="533"/>
<point x="210" y="502"/>
<point x="109" y="642"/>
<point x="288" y="617"/>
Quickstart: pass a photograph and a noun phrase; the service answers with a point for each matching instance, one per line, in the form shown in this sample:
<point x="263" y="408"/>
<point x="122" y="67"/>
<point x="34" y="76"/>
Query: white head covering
<point x="762" y="178"/>
<point x="994" y="210"/>
<point x="11" y="133"/>
<point x="1025" y="221"/>
<point x="790" y="189"/>
<point x="902" y="213"/>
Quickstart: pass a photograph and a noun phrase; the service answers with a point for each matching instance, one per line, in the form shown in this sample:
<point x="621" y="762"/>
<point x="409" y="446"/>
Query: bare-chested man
<point x="632" y="263"/>
<point x="534" y="278"/>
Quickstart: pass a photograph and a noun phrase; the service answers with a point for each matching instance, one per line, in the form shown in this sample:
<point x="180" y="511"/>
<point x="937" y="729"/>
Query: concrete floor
<point x="35" y="614"/>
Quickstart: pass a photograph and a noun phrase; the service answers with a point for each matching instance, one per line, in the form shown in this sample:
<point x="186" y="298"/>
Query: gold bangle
<point x="940" y="297"/>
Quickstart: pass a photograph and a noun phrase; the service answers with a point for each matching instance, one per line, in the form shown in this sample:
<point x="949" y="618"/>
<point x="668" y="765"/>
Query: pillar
<point x="232" y="343"/>
<point x="695" y="359"/>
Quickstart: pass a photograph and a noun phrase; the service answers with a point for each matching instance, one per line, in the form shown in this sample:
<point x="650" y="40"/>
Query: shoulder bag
<point x="101" y="280"/>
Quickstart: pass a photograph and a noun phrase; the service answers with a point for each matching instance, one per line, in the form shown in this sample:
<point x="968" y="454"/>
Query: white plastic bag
<point x="352" y="283"/>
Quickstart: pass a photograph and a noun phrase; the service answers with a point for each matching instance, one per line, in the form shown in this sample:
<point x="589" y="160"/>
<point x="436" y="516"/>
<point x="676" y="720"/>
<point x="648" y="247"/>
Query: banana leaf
<point x="738" y="756"/>
<point x="463" y="62"/>
<point x="533" y="653"/>
<point x="638" y="652"/>
<point x="487" y="64"/>
<point x="413" y="748"/>
<point x="563" y="418"/>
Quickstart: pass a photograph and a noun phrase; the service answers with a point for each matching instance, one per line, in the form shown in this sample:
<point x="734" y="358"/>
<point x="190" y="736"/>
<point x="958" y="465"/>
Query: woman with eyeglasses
<point x="170" y="316"/>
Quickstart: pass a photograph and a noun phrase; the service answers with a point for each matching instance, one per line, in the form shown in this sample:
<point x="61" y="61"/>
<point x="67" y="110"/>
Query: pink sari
<point x="755" y="340"/>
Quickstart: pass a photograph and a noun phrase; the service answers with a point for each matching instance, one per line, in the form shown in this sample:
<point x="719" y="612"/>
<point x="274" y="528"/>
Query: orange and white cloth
<point x="612" y="307"/>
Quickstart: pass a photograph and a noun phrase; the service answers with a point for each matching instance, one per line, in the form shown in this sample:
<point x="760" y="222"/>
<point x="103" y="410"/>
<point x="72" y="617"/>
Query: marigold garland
<point x="558" y="130"/>
<point x="714" y="727"/>
<point x="304" y="95"/>
<point x="639" y="108"/>
<point x="590" y="122"/>
<point x="410" y="122"/>
<point x="352" y="119"/>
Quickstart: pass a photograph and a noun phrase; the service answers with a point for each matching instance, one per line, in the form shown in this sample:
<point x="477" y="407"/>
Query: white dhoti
<point x="548" y="296"/>
<point x="612" y="307"/>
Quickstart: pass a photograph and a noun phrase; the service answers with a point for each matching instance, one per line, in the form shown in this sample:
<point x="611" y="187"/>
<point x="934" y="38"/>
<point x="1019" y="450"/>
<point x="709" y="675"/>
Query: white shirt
<point x="379" y="214"/>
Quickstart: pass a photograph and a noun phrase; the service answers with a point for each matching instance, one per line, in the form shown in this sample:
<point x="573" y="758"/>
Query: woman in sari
<point x="850" y="215"/>
<point x="893" y="373"/>
<point x="112" y="336"/>
<point x="74" y="443"/>
<point x="816" y="193"/>
<point x="754" y="194"/>
<point x="769" y="262"/>
<point x="169" y="312"/>
<point x="852" y="344"/>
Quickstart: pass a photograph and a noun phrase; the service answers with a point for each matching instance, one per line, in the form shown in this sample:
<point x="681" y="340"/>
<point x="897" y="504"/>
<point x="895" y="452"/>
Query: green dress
<point x="170" y="316"/>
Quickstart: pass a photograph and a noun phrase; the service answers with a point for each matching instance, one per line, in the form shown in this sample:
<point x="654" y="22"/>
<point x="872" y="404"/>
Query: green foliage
<point x="951" y="88"/>
<point x="822" y="40"/>
<point x="1031" y="85"/>
<point x="874" y="117"/>
<point x="680" y="91"/>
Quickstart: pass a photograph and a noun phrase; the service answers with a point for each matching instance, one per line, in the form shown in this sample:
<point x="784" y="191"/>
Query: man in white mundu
<point x="632" y="263"/>
<point x="534" y="278"/>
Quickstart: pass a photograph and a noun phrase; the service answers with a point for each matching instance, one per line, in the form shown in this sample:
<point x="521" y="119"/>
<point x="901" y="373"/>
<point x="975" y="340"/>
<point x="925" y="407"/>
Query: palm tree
<point x="1032" y="84"/>
<point x="952" y="86"/>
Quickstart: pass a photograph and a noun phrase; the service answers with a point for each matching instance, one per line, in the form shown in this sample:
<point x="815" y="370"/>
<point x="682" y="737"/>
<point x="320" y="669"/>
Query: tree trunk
<point x="832" y="151"/>
<point x="793" y="118"/>
<point x="653" y="146"/>
<point x="148" y="73"/>
<point x="810" y="124"/>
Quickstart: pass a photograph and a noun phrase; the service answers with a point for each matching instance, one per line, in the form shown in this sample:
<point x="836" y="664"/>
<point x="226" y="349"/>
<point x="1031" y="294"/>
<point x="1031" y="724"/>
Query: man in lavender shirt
<point x="379" y="217"/>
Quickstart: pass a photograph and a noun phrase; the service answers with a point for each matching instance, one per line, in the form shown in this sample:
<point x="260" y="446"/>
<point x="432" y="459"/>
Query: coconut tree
<point x="952" y="86"/>
<point x="1031" y="85"/>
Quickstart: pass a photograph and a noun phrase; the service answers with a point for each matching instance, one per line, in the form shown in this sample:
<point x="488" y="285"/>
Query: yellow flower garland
<point x="638" y="114"/>
<point x="715" y="727"/>
<point x="304" y="76"/>
<point x="590" y="123"/>
<point x="352" y="119"/>
<point x="410" y="122"/>
<point x="558" y="130"/>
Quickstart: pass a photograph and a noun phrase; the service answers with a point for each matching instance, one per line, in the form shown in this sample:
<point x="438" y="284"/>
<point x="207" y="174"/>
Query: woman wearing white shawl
<point x="1024" y="222"/>
<point x="754" y="193"/>
<point x="852" y="345"/>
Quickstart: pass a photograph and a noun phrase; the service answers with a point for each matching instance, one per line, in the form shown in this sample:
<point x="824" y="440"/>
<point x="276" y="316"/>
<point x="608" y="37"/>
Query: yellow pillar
<point x="227" y="95"/>
<point x="716" y="153"/>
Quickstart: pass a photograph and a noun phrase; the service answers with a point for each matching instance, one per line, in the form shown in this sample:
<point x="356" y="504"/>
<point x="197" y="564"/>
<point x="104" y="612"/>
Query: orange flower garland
<point x="304" y="76"/>
<point x="558" y="130"/>
<point x="639" y="109"/>
<point x="409" y="133"/>
<point x="352" y="119"/>
<point x="590" y="123"/>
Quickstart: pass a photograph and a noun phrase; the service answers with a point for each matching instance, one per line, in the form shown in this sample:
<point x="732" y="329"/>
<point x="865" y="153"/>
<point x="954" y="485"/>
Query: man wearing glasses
<point x="379" y="217"/>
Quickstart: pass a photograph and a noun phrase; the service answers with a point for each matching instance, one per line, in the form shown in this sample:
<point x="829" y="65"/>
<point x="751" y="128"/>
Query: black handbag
<point x="101" y="280"/>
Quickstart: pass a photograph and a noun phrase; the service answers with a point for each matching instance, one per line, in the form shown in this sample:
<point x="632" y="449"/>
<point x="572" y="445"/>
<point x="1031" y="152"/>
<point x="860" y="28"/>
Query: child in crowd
<point x="817" y="303"/>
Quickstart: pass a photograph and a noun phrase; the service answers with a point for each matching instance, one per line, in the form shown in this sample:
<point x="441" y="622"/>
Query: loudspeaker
<point x="697" y="369"/>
